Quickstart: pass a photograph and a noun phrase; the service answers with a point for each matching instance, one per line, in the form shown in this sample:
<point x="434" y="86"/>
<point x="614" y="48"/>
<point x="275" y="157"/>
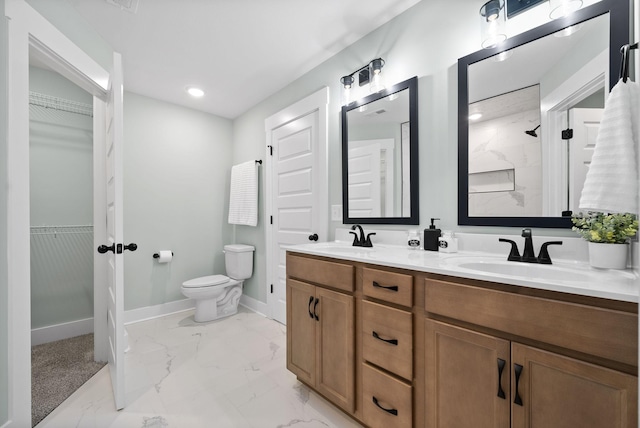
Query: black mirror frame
<point x="414" y="218"/>
<point x="618" y="36"/>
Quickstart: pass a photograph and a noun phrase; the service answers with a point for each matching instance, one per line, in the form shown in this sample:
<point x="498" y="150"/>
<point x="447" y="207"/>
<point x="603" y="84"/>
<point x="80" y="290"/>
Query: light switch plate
<point x="336" y="212"/>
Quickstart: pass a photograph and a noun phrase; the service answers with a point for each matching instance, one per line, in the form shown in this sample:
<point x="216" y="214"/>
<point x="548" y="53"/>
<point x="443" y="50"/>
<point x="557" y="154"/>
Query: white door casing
<point x="28" y="30"/>
<point x="297" y="187"/>
<point x="115" y="269"/>
<point x="553" y="119"/>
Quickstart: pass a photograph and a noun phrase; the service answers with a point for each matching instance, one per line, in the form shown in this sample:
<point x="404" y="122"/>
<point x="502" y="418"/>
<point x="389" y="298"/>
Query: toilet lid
<point x="206" y="281"/>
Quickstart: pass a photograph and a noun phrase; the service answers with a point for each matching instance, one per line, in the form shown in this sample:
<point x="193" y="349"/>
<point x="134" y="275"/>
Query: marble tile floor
<point x="179" y="373"/>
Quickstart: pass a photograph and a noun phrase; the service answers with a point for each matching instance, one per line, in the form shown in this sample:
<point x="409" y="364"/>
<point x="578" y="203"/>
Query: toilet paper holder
<point x="157" y="256"/>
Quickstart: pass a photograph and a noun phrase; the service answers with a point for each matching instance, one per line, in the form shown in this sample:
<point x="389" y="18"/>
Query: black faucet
<point x="528" y="255"/>
<point x="361" y="241"/>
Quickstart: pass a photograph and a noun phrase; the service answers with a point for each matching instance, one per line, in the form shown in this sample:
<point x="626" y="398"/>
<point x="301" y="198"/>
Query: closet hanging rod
<point x="624" y="63"/>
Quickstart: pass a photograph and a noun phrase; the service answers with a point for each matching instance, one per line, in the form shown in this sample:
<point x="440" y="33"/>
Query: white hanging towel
<point x="243" y="196"/>
<point x="611" y="184"/>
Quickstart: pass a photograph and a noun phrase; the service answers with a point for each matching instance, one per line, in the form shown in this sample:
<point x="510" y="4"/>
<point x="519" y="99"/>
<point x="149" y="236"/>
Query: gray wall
<point x="4" y="382"/>
<point x="425" y="41"/>
<point x="176" y="194"/>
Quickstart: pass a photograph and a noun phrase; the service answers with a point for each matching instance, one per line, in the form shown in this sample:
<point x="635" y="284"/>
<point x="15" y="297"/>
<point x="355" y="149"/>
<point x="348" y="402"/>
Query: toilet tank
<point x="238" y="260"/>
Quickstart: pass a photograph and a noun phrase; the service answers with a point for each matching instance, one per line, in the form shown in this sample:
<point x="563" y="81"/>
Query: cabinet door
<point x="561" y="392"/>
<point x="335" y="344"/>
<point x="301" y="330"/>
<point x="467" y="378"/>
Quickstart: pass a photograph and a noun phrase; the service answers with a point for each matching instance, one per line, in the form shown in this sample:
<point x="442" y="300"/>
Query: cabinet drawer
<point x="604" y="333"/>
<point x="388" y="286"/>
<point x="387" y="338"/>
<point x="393" y="398"/>
<point x="331" y="274"/>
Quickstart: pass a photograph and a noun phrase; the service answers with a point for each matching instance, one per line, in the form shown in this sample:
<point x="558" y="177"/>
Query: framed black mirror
<point x="518" y="163"/>
<point x="380" y="157"/>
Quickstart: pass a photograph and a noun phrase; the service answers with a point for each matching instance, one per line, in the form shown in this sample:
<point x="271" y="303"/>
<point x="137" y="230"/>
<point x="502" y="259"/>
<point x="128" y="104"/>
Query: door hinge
<point x="271" y="288"/>
<point x="271" y="219"/>
<point x="270" y="150"/>
<point x="567" y="134"/>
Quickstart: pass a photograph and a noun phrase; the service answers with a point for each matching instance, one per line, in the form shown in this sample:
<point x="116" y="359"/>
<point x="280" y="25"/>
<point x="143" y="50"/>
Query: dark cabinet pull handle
<point x="313" y="237"/>
<point x="501" y="364"/>
<point x="103" y="248"/>
<point x="309" y="309"/>
<point x="386" y="287"/>
<point x="315" y="305"/>
<point x="391" y="341"/>
<point x="518" y="369"/>
<point x="394" y="412"/>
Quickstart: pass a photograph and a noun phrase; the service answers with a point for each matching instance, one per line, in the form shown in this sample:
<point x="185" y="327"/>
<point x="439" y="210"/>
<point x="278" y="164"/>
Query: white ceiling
<point x="238" y="51"/>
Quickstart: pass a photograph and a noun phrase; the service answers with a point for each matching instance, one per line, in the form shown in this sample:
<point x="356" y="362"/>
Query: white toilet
<point x="217" y="296"/>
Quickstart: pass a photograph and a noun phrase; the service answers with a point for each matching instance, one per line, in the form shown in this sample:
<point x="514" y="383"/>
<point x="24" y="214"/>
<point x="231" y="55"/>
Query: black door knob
<point x="131" y="247"/>
<point x="313" y="237"/>
<point x="103" y="248"/>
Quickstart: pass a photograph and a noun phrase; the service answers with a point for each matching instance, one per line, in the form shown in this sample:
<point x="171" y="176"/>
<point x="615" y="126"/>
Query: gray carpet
<point x="57" y="370"/>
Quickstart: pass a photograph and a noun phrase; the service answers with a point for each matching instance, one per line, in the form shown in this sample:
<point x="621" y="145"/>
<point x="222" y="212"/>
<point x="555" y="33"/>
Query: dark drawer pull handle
<point x="501" y="364"/>
<point x="518" y="369"/>
<point x="390" y="341"/>
<point x="393" y="412"/>
<point x="315" y="306"/>
<point x="386" y="287"/>
<point x="309" y="309"/>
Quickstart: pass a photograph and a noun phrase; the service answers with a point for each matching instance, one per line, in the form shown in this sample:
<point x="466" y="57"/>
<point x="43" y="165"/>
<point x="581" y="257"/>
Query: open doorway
<point x="61" y="238"/>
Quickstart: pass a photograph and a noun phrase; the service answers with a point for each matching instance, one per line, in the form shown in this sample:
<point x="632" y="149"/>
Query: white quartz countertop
<point x="574" y="277"/>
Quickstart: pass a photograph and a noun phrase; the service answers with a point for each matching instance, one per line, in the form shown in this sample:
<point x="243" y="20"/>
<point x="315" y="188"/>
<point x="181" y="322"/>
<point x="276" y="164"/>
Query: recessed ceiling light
<point x="475" y="116"/>
<point x="195" y="92"/>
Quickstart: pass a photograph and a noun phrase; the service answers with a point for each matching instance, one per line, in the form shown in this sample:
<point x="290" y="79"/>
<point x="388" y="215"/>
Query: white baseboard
<point x="255" y="305"/>
<point x="61" y="331"/>
<point x="151" y="312"/>
<point x="77" y="328"/>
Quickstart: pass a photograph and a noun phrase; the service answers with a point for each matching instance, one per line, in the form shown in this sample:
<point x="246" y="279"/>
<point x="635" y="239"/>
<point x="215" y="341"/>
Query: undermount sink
<point x="519" y="269"/>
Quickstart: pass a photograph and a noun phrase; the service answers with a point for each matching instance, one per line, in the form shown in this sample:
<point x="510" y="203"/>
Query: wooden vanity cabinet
<point x="320" y="327"/>
<point x="479" y="379"/>
<point x="398" y="348"/>
<point x="387" y="348"/>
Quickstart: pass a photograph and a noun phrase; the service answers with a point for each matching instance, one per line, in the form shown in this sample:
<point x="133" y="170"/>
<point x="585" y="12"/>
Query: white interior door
<point x="296" y="184"/>
<point x="364" y="181"/>
<point x="115" y="272"/>
<point x="585" y="123"/>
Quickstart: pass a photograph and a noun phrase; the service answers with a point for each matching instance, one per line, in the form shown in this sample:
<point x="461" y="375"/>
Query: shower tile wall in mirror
<point x="517" y="167"/>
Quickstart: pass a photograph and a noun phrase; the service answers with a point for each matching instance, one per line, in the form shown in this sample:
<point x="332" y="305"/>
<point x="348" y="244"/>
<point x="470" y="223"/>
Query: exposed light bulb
<point x="562" y="8"/>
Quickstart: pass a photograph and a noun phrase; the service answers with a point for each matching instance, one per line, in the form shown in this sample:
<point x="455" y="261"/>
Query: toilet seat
<point x="206" y="281"/>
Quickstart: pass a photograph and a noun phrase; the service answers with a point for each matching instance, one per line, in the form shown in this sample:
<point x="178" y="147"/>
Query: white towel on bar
<point x="243" y="196"/>
<point x="611" y="184"/>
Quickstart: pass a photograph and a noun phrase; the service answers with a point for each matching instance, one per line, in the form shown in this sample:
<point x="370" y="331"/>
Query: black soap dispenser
<point x="431" y="236"/>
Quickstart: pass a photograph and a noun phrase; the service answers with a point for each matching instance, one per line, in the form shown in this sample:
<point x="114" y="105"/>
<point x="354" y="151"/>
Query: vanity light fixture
<point x="370" y="73"/>
<point x="195" y="92"/>
<point x="562" y="8"/>
<point x="492" y="23"/>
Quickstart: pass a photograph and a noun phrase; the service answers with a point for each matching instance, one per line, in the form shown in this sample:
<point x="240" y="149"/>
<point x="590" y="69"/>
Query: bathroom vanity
<point x="409" y="338"/>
